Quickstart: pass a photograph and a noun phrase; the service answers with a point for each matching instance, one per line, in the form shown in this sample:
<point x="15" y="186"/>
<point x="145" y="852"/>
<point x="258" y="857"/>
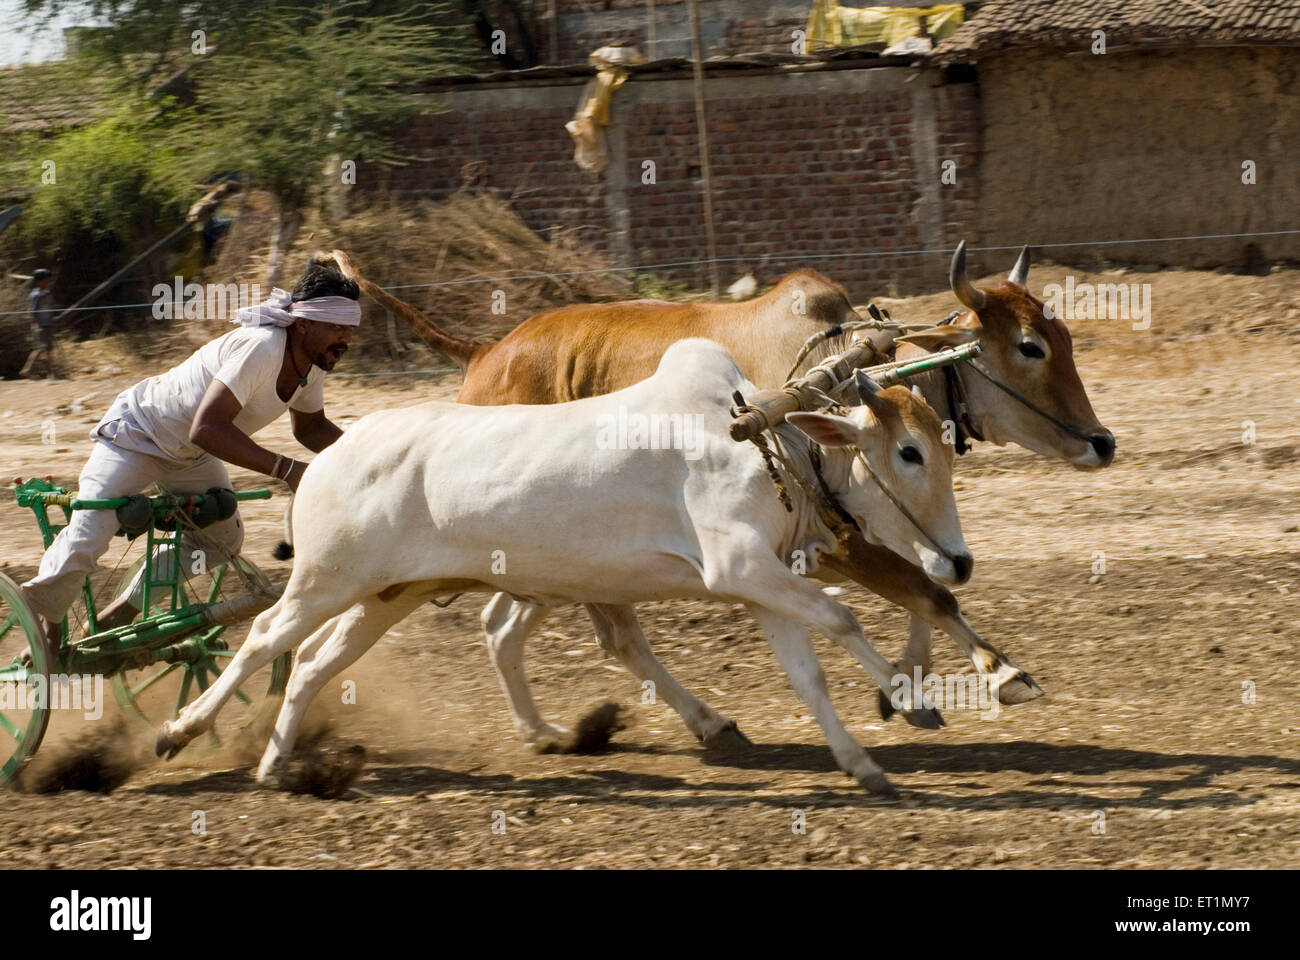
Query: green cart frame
<point x="178" y="642"/>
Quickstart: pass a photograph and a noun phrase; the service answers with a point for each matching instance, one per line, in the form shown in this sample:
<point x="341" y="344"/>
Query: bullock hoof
<point x="877" y="782"/>
<point x="550" y="739"/>
<point x="270" y="782"/>
<point x="927" y="719"/>
<point x="727" y="737"/>
<point x="1019" y="689"/>
<point x="886" y="708"/>
<point x="166" y="746"/>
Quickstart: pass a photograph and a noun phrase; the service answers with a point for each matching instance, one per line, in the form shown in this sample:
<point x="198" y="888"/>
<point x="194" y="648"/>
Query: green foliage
<point x="163" y="27"/>
<point x="113" y="182"/>
<point x="307" y="87"/>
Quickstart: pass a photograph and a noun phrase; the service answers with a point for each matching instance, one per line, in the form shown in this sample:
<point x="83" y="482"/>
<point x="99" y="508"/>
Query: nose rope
<point x="978" y="368"/>
<point x="902" y="508"/>
<point x="827" y="504"/>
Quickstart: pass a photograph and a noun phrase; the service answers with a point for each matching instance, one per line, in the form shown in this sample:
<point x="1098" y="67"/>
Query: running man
<point x="180" y="429"/>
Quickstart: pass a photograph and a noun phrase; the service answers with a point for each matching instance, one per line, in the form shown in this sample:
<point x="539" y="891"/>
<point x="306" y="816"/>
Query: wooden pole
<point x="650" y="30"/>
<point x="555" y="30"/>
<point x="703" y="132"/>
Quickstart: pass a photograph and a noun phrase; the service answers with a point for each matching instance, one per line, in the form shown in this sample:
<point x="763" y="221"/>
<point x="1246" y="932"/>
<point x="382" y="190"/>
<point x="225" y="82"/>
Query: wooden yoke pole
<point x="705" y="171"/>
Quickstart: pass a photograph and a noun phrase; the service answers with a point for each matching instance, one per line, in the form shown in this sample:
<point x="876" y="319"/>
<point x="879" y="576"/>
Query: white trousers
<point x="114" y="472"/>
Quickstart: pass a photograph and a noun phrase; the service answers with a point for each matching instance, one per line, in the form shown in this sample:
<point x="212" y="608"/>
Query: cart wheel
<point x="23" y="716"/>
<point x="161" y="690"/>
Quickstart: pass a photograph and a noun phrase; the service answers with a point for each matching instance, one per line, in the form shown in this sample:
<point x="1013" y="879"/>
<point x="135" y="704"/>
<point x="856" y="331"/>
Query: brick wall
<point x="732" y="26"/>
<point x="838" y="170"/>
<point x="766" y="35"/>
<point x="794" y="176"/>
<point x="510" y="142"/>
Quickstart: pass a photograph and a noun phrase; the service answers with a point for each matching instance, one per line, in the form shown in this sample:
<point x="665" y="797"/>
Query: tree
<point x="304" y="91"/>
<point x="162" y="26"/>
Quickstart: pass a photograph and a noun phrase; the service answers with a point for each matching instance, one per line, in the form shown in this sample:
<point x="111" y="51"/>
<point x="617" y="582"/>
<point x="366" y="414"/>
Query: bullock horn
<point x="1020" y="272"/>
<point x="961" y="285"/>
<point x="869" y="391"/>
<point x="865" y="384"/>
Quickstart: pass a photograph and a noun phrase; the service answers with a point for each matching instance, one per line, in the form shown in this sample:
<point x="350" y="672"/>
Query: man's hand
<point x="294" y="476"/>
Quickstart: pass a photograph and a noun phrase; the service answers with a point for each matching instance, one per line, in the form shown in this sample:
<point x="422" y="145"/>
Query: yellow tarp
<point x="831" y="25"/>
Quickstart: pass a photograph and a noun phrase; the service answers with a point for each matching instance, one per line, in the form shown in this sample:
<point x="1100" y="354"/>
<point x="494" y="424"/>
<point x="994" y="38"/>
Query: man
<point x="178" y="430"/>
<point x="40" y="303"/>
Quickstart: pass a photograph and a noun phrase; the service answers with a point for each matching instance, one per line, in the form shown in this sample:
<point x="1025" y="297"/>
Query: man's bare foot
<point x="117" y="614"/>
<point x="53" y="636"/>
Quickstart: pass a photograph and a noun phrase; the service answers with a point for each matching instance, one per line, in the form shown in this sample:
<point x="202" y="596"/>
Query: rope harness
<point x="960" y="407"/>
<point x="955" y="394"/>
<point x="830" y="510"/>
<point x="1028" y="403"/>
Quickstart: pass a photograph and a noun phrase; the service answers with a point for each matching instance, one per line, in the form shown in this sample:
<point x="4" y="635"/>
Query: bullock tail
<point x="457" y="349"/>
<point x="284" y="549"/>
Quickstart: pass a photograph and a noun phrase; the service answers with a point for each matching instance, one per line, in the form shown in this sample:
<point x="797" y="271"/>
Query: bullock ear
<point x="939" y="338"/>
<point x="826" y="429"/>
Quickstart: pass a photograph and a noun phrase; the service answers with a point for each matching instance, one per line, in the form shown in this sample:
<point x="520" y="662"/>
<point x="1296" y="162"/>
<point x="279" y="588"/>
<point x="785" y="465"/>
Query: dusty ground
<point x="1142" y="753"/>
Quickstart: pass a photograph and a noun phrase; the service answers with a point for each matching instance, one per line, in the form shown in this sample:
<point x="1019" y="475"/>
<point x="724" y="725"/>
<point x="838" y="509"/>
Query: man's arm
<point x="313" y="430"/>
<point x="214" y="430"/>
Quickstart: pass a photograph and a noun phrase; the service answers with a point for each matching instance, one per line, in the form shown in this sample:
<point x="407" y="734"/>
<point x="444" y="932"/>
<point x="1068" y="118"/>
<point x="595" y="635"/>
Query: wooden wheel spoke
<point x="9" y="728"/>
<point x="197" y="676"/>
<point x="8" y="624"/>
<point x="184" y="695"/>
<point x="136" y="691"/>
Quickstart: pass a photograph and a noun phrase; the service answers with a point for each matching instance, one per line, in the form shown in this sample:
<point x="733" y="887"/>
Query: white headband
<point x="281" y="311"/>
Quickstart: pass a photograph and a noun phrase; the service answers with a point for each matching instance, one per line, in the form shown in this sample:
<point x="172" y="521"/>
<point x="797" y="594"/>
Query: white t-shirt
<point x="154" y="417"/>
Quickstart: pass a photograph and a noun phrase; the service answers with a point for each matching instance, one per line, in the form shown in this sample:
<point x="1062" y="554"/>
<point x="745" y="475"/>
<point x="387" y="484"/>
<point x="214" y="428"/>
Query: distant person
<point x="40" y="303"/>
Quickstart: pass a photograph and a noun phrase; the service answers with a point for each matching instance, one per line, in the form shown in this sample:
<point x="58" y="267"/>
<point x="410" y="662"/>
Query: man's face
<point x="45" y="283"/>
<point x="326" y="343"/>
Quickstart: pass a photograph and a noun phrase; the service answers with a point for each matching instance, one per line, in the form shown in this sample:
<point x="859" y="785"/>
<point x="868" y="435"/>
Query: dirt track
<point x="1143" y="667"/>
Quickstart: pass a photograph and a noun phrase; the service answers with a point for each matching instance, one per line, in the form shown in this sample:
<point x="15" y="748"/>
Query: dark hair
<point x="323" y="279"/>
<point x="39" y="274"/>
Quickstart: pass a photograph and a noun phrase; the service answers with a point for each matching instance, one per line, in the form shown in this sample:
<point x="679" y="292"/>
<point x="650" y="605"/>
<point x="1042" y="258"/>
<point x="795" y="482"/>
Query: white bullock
<point x="571" y="503"/>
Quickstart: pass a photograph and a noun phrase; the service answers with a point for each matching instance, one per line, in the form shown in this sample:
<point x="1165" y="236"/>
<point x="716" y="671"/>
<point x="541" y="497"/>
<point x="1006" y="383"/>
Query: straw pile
<point x="469" y="237"/>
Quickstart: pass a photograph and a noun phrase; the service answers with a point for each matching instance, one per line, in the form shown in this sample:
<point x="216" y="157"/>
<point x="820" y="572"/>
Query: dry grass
<point x="472" y="245"/>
